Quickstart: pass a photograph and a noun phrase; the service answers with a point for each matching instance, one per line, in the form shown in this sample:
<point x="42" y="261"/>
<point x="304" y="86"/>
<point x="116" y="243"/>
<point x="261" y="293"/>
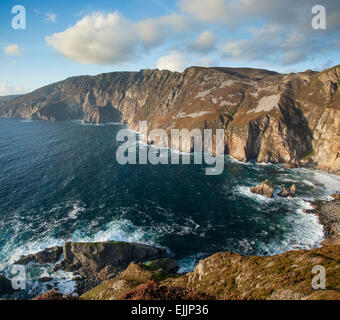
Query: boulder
<point x="266" y="189"/>
<point x="5" y="286"/>
<point x="167" y="265"/>
<point x="288" y="193"/>
<point x="49" y="255"/>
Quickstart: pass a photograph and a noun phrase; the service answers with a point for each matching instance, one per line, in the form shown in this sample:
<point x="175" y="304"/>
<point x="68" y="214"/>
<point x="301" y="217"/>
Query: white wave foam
<point x="118" y="230"/>
<point x="74" y="213"/>
<point x="329" y="183"/>
<point x="307" y="234"/>
<point x="30" y="248"/>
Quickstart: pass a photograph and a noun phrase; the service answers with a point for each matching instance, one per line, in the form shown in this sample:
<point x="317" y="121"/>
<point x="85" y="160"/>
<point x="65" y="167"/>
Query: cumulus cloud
<point x="205" y="42"/>
<point x="271" y="43"/>
<point x="205" y="11"/>
<point x="153" y="32"/>
<point x="271" y="31"/>
<point x="13" y="50"/>
<point x="285" y="37"/>
<point x="6" y="90"/>
<point x="175" y="61"/>
<point x="110" y="38"/>
<point x="50" y="17"/>
<point x="97" y="39"/>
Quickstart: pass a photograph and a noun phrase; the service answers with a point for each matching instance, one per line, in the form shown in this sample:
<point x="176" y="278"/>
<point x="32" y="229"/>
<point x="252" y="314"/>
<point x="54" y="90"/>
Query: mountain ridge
<point x="271" y="117"/>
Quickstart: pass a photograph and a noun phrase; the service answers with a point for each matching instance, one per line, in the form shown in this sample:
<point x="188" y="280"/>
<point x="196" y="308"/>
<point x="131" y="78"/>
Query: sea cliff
<point x="280" y="118"/>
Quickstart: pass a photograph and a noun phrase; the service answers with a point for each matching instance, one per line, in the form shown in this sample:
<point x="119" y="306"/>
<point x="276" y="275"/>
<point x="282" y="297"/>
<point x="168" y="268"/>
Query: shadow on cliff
<point x="293" y="129"/>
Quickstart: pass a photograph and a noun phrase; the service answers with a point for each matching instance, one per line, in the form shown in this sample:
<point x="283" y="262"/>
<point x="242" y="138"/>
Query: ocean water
<point x="60" y="181"/>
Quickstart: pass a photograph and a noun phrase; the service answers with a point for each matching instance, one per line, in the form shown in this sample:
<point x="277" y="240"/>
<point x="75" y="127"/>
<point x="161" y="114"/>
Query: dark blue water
<point x="60" y="181"/>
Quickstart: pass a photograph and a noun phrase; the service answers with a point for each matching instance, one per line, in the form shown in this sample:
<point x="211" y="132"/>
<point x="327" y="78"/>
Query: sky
<point x="69" y="38"/>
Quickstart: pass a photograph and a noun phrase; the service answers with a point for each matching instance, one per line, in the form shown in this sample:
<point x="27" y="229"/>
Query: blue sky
<point x="68" y="38"/>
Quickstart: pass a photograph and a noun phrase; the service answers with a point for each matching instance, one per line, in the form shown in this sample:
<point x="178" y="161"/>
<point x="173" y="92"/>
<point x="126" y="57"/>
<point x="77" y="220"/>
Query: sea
<point x="60" y="181"/>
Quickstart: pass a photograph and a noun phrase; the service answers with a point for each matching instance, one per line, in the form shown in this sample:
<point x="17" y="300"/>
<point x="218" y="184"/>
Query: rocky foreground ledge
<point x="229" y="276"/>
<point x="92" y="263"/>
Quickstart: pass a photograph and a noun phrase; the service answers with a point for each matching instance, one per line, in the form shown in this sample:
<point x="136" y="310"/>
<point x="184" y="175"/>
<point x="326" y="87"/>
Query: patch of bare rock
<point x="266" y="188"/>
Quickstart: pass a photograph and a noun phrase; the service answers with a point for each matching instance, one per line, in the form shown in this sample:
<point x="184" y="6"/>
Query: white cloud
<point x="109" y="38"/>
<point x="50" y="17"/>
<point x="13" y="50"/>
<point x="175" y="61"/>
<point x="283" y="34"/>
<point x="97" y="39"/>
<point x="205" y="42"/>
<point x="272" y="43"/>
<point x="6" y="89"/>
<point x="204" y="10"/>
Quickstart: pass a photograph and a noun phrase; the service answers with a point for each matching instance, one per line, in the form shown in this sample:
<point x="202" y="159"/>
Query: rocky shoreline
<point x="328" y="213"/>
<point x="119" y="270"/>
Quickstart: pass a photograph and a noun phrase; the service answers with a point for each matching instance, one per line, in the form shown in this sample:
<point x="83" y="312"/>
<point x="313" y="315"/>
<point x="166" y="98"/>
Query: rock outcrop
<point x="91" y="259"/>
<point x="50" y="255"/>
<point x="228" y="276"/>
<point x="288" y="192"/>
<point x="93" y="263"/>
<point x="271" y="117"/>
<point x="266" y="189"/>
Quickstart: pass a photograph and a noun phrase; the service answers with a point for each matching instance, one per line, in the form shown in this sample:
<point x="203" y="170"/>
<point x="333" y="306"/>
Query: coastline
<point x="328" y="213"/>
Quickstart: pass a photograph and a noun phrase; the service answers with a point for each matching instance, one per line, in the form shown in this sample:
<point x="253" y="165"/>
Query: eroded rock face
<point x="271" y="117"/>
<point x="266" y="189"/>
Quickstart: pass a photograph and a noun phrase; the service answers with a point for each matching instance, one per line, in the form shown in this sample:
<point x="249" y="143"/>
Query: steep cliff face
<point x="266" y="116"/>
